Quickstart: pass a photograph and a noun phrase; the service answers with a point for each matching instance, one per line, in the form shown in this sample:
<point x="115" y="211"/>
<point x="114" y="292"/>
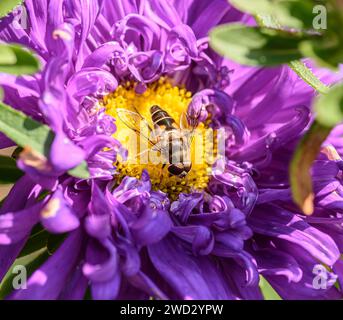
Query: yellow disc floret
<point x="173" y="100"/>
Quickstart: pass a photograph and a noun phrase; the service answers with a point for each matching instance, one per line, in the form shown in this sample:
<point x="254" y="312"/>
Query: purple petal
<point x="47" y="282"/>
<point x="61" y="147"/>
<point x="57" y="216"/>
<point x="201" y="238"/>
<point x="151" y="227"/>
<point x="284" y="225"/>
<point x="15" y="226"/>
<point x="91" y="82"/>
<point x="76" y="286"/>
<point x="190" y="277"/>
<point x="102" y="269"/>
<point x="102" y="262"/>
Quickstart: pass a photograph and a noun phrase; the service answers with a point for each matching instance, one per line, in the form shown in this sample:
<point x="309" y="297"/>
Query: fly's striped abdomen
<point x="175" y="149"/>
<point x="161" y="118"/>
<point x="179" y="164"/>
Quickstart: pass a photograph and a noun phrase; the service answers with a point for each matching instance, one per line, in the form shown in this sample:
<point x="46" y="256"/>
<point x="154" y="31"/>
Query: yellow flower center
<point x="174" y="101"/>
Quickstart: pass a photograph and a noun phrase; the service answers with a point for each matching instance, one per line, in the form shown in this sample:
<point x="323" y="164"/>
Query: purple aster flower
<point x="132" y="230"/>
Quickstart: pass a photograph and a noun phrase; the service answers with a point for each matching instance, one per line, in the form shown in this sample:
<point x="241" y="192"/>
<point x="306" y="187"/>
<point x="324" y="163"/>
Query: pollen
<point x="175" y="101"/>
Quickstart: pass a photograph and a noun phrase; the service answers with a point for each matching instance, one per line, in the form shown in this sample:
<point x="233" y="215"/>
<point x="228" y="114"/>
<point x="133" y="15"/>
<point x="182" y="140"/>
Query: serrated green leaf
<point x="9" y="173"/>
<point x="268" y="291"/>
<point x="308" y="76"/>
<point x="17" y="60"/>
<point x="255" y="46"/>
<point x="329" y="107"/>
<point x="300" y="176"/>
<point x="6" y="6"/>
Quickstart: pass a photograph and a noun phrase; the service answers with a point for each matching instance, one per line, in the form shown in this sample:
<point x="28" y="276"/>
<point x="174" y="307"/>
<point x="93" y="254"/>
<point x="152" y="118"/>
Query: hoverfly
<point x="171" y="140"/>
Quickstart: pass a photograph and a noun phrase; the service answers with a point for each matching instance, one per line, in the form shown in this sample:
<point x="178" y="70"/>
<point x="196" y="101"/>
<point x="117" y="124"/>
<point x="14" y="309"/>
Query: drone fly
<point x="173" y="141"/>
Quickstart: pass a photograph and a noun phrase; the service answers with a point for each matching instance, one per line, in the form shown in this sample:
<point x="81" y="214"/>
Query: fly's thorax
<point x="162" y="119"/>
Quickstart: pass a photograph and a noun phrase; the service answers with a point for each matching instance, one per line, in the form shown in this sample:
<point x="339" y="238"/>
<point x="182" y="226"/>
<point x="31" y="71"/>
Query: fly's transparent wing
<point x="184" y="124"/>
<point x="188" y="125"/>
<point x="136" y="122"/>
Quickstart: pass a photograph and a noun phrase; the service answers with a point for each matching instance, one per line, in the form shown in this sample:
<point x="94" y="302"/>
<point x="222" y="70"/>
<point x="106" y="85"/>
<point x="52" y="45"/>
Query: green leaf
<point x="256" y="46"/>
<point x="88" y="294"/>
<point x="27" y="132"/>
<point x="308" y="76"/>
<point x="329" y="107"/>
<point x="38" y="248"/>
<point x="37" y="241"/>
<point x="291" y="13"/>
<point x="41" y="238"/>
<point x="6" y="6"/>
<point x="2" y="201"/>
<point x="17" y="60"/>
<point x="297" y="66"/>
<point x="31" y="262"/>
<point x="328" y="52"/>
<point x="9" y="173"/>
<point x="55" y="241"/>
<point x="7" y="56"/>
<point x="81" y="171"/>
<point x="268" y="291"/>
<point x="300" y="176"/>
<point x="321" y="21"/>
